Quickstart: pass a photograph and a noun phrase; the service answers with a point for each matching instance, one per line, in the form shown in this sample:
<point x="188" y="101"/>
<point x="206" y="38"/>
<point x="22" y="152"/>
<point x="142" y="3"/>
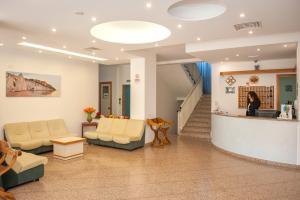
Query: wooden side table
<point x="87" y="124"/>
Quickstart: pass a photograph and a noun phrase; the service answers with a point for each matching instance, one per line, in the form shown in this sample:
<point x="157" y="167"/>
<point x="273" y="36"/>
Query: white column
<point x="298" y="100"/>
<point x="143" y="89"/>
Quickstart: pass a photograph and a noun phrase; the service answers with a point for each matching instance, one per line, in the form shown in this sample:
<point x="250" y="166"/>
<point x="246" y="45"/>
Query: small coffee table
<point x="67" y="148"/>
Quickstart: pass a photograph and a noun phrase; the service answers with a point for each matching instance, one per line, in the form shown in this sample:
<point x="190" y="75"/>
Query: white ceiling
<point x="35" y="18"/>
<point x="267" y="52"/>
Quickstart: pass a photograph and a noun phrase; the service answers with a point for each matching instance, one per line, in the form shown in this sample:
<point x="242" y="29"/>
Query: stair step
<point x="199" y="120"/>
<point x="196" y="130"/>
<point x="207" y="111"/>
<point x="201" y="115"/>
<point x="204" y="137"/>
<point x="198" y="124"/>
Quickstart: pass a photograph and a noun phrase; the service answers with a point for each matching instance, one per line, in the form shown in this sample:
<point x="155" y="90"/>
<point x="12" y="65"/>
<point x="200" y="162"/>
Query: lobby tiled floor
<point x="188" y="169"/>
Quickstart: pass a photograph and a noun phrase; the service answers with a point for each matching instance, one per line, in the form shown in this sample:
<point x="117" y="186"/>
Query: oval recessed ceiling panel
<point x="130" y="32"/>
<point x="196" y="10"/>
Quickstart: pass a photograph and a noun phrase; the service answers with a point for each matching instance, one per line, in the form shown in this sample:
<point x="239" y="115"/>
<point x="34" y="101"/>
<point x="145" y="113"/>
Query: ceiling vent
<point x="92" y="49"/>
<point x="248" y="25"/>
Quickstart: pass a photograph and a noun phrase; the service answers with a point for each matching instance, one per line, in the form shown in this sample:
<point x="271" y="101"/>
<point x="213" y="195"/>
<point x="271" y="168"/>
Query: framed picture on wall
<point x="20" y="84"/>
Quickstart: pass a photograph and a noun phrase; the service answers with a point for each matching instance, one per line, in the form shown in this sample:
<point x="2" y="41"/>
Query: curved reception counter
<point x="257" y="138"/>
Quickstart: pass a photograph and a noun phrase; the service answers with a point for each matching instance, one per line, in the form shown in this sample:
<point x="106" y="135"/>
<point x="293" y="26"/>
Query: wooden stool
<point x="4" y="152"/>
<point x="158" y="125"/>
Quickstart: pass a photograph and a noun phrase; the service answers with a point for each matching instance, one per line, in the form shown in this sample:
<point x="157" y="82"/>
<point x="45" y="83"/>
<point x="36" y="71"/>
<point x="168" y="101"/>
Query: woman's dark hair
<point x="254" y="97"/>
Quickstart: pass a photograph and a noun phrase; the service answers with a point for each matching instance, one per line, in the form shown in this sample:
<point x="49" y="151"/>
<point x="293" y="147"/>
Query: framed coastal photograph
<point x="20" y="84"/>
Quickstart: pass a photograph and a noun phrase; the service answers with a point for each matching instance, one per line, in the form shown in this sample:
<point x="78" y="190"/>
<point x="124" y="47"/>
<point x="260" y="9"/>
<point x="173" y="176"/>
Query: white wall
<point x="229" y="102"/>
<point x="166" y="102"/>
<point x="79" y="86"/>
<point x="175" y="78"/>
<point x="118" y="75"/>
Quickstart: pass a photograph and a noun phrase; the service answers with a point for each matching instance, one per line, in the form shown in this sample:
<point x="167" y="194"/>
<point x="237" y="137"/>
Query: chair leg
<point x="6" y="195"/>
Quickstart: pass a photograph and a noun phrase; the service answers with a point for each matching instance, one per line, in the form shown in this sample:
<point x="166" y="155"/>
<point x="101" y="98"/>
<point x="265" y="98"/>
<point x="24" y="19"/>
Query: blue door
<point x="126" y="100"/>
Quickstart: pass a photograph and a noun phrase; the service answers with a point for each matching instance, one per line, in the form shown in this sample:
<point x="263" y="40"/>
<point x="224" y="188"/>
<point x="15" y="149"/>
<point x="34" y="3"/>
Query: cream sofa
<point x="119" y="133"/>
<point x="34" y="137"/>
<point x="28" y="167"/>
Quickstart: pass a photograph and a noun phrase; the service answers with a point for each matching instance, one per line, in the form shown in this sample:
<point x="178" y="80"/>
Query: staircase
<point x="199" y="123"/>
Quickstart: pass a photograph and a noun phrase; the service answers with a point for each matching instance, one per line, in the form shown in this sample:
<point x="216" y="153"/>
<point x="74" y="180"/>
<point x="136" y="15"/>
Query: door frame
<point x="123" y="98"/>
<point x="278" y="76"/>
<point x="100" y="93"/>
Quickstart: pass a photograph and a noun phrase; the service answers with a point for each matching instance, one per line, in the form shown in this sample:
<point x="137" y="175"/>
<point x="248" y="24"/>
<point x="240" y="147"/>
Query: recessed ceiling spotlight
<point x="64" y="46"/>
<point x="242" y="15"/>
<point x="179" y="26"/>
<point x="1" y="44"/>
<point x="237" y="55"/>
<point x="130" y="32"/>
<point x="94" y="19"/>
<point x="227" y="59"/>
<point x="79" y="13"/>
<point x="53" y="30"/>
<point x="93" y="53"/>
<point x="24" y="38"/>
<point x="117" y="58"/>
<point x="70" y="53"/>
<point x="94" y="61"/>
<point x="148" y="4"/>
<point x="198" y="38"/>
<point x="156" y="45"/>
<point x="70" y="57"/>
<point x="40" y="51"/>
<point x="195" y="10"/>
<point x="93" y="41"/>
<point x="250" y="32"/>
<point x="122" y="49"/>
<point x="285" y="46"/>
<point x="258" y="49"/>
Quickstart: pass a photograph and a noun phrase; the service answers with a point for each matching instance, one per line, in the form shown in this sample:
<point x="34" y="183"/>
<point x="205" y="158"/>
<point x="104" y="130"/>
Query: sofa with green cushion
<point x="28" y="167"/>
<point x="34" y="137"/>
<point x="126" y="134"/>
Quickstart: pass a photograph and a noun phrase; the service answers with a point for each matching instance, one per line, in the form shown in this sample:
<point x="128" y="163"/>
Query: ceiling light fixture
<point x="179" y="26"/>
<point x="94" y="19"/>
<point x="117" y="58"/>
<point x="258" y="49"/>
<point x="41" y="47"/>
<point x="64" y="46"/>
<point x="242" y="15"/>
<point x="226" y="59"/>
<point x="237" y="55"/>
<point x="53" y="30"/>
<point x="94" y="61"/>
<point x="195" y="10"/>
<point x="285" y="46"/>
<point x="24" y="38"/>
<point x="149" y="5"/>
<point x="198" y="38"/>
<point x="93" y="41"/>
<point x="122" y="49"/>
<point x="1" y="44"/>
<point x="40" y="51"/>
<point x="156" y="45"/>
<point x="70" y="57"/>
<point x="130" y="32"/>
<point x="250" y="32"/>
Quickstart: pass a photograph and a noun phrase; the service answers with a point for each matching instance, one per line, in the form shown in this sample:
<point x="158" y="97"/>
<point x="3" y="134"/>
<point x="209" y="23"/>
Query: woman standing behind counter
<point x="253" y="103"/>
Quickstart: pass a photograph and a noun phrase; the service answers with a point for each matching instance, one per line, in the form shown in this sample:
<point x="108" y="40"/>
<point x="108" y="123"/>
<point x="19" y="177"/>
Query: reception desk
<point x="265" y="139"/>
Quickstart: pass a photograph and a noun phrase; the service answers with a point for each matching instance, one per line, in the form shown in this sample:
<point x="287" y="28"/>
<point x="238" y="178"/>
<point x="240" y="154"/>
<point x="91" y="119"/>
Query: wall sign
<point x="230" y="80"/>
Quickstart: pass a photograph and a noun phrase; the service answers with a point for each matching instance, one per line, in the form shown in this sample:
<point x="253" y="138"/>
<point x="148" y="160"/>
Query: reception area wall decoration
<point x="19" y="84"/>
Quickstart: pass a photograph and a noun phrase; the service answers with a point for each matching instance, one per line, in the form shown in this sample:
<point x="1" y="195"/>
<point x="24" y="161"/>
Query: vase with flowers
<point x="89" y="111"/>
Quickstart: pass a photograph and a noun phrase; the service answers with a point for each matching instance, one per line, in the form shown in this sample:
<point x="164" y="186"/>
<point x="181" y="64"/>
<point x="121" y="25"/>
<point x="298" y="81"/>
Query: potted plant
<point x="89" y="111"/>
